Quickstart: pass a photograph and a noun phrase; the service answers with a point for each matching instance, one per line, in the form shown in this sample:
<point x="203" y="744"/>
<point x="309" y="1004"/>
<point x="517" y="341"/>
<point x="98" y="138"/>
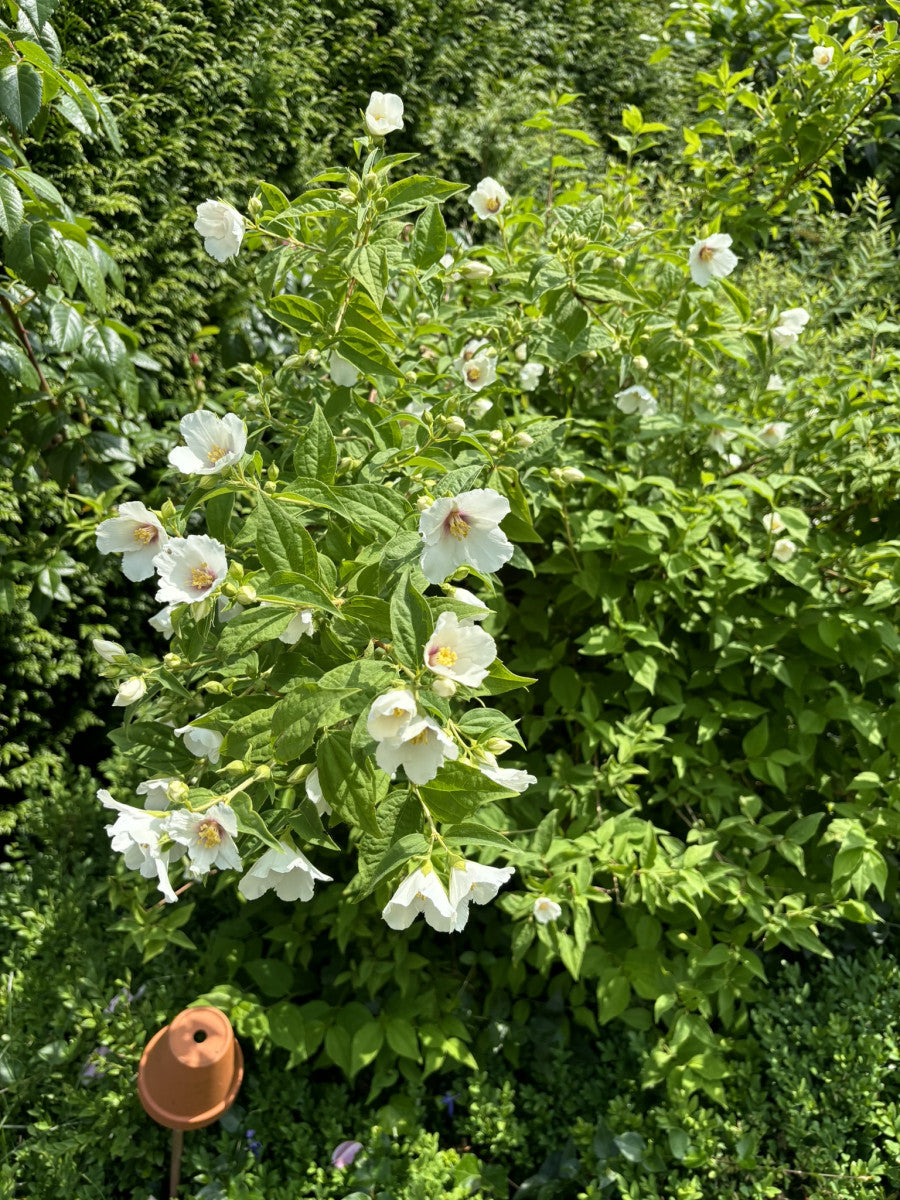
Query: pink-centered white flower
<point x="420" y="893"/>
<point x="480" y="371"/>
<point x="202" y="743"/>
<point x="190" y="569"/>
<point x="384" y="113"/>
<point x="221" y="227"/>
<point x="420" y="752"/>
<point x="711" y="259"/>
<point x="208" y="836"/>
<point x="137" y="534"/>
<point x="390" y="714"/>
<point x="546" y="910"/>
<point x="464" y="530"/>
<point x="791" y="323"/>
<point x="461" y="652"/>
<point x="488" y="199"/>
<point x="471" y="883"/>
<point x="287" y="871"/>
<point x="136" y="835"/>
<point x="213" y="444"/>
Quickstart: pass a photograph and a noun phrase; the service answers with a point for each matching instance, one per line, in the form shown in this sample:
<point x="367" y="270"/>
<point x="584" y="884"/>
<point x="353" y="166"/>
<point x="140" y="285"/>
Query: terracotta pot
<point x="191" y="1070"/>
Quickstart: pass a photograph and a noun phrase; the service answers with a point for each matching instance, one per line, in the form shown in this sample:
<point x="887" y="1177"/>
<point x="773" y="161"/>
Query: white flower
<point x="221" y="228"/>
<point x="468" y="352"/>
<point x="480" y="372"/>
<point x="289" y="872"/>
<point x="343" y="373"/>
<point x="300" y="625"/>
<point x="208" y="836"/>
<point x="461" y="652"/>
<point x="420" y="893"/>
<point x="390" y="714"/>
<point x="791" y="323"/>
<point x="480" y="408"/>
<point x="190" y="569"/>
<point x="130" y="691"/>
<point x="108" y="651"/>
<point x="636" y="399"/>
<point x="488" y="199"/>
<point x="315" y="794"/>
<point x="508" y="777"/>
<point x="464" y="596"/>
<point x="733" y="460"/>
<point x="421" y="753"/>
<point x="464" y="530"/>
<point x="711" y="259"/>
<point x="472" y="883"/>
<point x="136" y="534"/>
<point x="162" y="621"/>
<point x="775" y="383"/>
<point x="156" y="791"/>
<point x="822" y="56"/>
<point x="719" y="438"/>
<point x="546" y="910"/>
<point x="475" y="270"/>
<point x="384" y="113"/>
<point x="202" y="743"/>
<point x="774" y="432"/>
<point x="213" y="443"/>
<point x="784" y="550"/>
<point x="135" y="835"/>
<point x="772" y="523"/>
<point x="446" y="261"/>
<point x="530" y="376"/>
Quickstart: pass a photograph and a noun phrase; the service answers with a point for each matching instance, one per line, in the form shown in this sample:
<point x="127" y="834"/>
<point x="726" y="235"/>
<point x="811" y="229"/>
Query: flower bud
<point x="640" y="363"/>
<point x="495" y="437"/>
<point x="521" y="352"/>
<point x="263" y="772"/>
<point x="497" y="745"/>
<point x="475" y="270"/>
<point x="424" y="502"/>
<point x="422" y="318"/>
<point x="370" y="181"/>
<point x="171" y="661"/>
<point x="214" y="687"/>
<point x="312" y="357"/>
<point x="108" y="651"/>
<point x="130" y="691"/>
<point x="270" y="486"/>
<point x="619" y="262"/>
<point x="246" y="594"/>
<point x="381" y="204"/>
<point x="522" y="441"/>
<point x="410" y="376"/>
<point x="571" y="475"/>
<point x="444" y="688"/>
<point x="167" y="512"/>
<point x="237" y="767"/>
<point x="177" y="791"/>
<point x="555" y="474"/>
<point x="455" y="425"/>
<point x="254" y="207"/>
<point x="346" y="197"/>
<point x="635" y="228"/>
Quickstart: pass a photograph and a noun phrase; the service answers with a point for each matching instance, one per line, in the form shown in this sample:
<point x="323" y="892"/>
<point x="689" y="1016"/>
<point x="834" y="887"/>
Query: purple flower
<point x="91" y="1068"/>
<point x="253" y="1145"/>
<point x="344" y="1154"/>
<point x="447" y="1100"/>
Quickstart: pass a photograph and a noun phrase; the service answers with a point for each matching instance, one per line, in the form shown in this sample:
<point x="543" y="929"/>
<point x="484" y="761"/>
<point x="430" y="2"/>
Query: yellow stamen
<point x="492" y="205"/>
<point x="420" y="739"/>
<point x="215" y="454"/>
<point x="444" y="657"/>
<point x="202" y="577"/>
<point x="144" y="534"/>
<point x="399" y="712"/>
<point x="473" y="374"/>
<point x="706" y="253"/>
<point x="458" y="526"/>
<point x="209" y="834"/>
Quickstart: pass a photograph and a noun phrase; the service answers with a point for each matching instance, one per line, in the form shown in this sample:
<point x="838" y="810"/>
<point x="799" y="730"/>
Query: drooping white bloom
<point x="213" y="443"/>
<point x="509" y="777"/>
<point x="546" y="910"/>
<point x="287" y="871"/>
<point x="719" y="438"/>
<point x="461" y="652"/>
<point x="822" y="56"/>
<point x="162" y="621"/>
<point x="464" y="596"/>
<point x="784" y="550"/>
<point x="209" y="837"/>
<point x="314" y="792"/>
<point x="390" y="714"/>
<point x="135" y="835"/>
<point x="190" y="569"/>
<point x="342" y="372"/>
<point x="530" y="376"/>
<point x="420" y="893"/>
<point x="202" y="743"/>
<point x="136" y="534"/>
<point x="480" y="372"/>
<point x="774" y="433"/>
<point x="636" y="399"/>
<point x="221" y="227"/>
<point x="472" y="883"/>
<point x="475" y="270"/>
<point x="300" y="625"/>
<point x="421" y="752"/>
<point x="791" y="323"/>
<point x="384" y="113"/>
<point x="108" y="651"/>
<point x="156" y="791"/>
<point x="480" y="408"/>
<point x="710" y="258"/>
<point x="130" y="691"/>
<point x="488" y="199"/>
<point x="775" y="383"/>
<point x="772" y="523"/>
<point x="464" y="530"/>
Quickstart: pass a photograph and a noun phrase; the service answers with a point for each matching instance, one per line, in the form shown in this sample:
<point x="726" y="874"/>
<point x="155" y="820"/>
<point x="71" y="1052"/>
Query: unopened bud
<point x="444" y="688"/>
<point x="635" y="228"/>
<point x="177" y="791"/>
<point x="497" y="745"/>
<point x="270" y="486"/>
<point x="495" y="437"/>
<point x="381" y="204"/>
<point x="346" y="197"/>
<point x="424" y="502"/>
<point x="214" y="687"/>
<point x="476" y="271"/>
<point x="522" y="441"/>
<point x="272" y="472"/>
<point x="254" y="207"/>
<point x="640" y="363"/>
<point x="410" y="376"/>
<point x="555" y="474"/>
<point x="263" y="772"/>
<point x="171" y="661"/>
<point x="619" y="262"/>
<point x="246" y="594"/>
<point x="345" y="463"/>
<point x="370" y="181"/>
<point x="456" y="425"/>
<point x="521" y="352"/>
<point x="237" y="767"/>
<point x="312" y="357"/>
<point x="167" y="512"/>
<point x="571" y="475"/>
<point x="422" y="318"/>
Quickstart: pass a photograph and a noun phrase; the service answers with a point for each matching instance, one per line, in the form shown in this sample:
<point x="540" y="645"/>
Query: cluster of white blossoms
<point x="444" y="910"/>
<point x="791" y="323"/>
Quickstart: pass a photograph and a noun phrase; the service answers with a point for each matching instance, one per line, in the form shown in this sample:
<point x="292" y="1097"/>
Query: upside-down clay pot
<point x="191" y="1070"/>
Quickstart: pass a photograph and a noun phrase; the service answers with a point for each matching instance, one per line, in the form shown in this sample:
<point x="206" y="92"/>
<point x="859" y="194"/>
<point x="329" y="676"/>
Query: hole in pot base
<point x="200" y="1036"/>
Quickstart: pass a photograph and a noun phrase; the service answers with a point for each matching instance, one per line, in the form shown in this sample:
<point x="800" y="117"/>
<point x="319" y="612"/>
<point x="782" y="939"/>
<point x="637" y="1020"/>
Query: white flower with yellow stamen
<point x="488" y="199"/>
<point x="288" y="872"/>
<point x="420" y="893"/>
<point x="208" y="836"/>
<point x="461" y="652"/>
<point x="480" y="372"/>
<point x="213" y="443"/>
<point x="136" y="835"/>
<point x="136" y="534"/>
<point x="390" y="714"/>
<point x="202" y="743"/>
<point x="190" y="569"/>
<point x="464" y="530"/>
<point x="784" y="550"/>
<point x="710" y="259"/>
<point x="471" y="883"/>
<point x="421" y="752"/>
<point x="384" y="113"/>
<point x="822" y="56"/>
<point x="468" y="352"/>
<point x="773" y="523"/>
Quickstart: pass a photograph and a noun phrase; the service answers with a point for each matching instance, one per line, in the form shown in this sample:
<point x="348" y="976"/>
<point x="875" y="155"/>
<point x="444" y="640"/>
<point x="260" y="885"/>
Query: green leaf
<point x="353" y="791"/>
<point x="613" y="997"/>
<point x="473" y="833"/>
<point x="429" y="239"/>
<point x="483" y="723"/>
<point x="458" y="791"/>
<point x="77" y="265"/>
<point x="366" y="354"/>
<point x="270" y="975"/>
<point x="287" y="1027"/>
<point x="282" y="540"/>
<point x="66" y="327"/>
<point x="20" y="95"/>
<point x="406" y="195"/>
<point x="757" y="739"/>
<point x="315" y="454"/>
<point x="370" y="266"/>
<point x="299" y="314"/>
<point x="299" y="716"/>
<point x="401" y="1037"/>
<point x="413" y="845"/>
<point x="249" y="821"/>
<point x="411" y="624"/>
<point x="500" y="679"/>
<point x="31" y="254"/>
<point x="12" y="208"/>
<point x="252" y="627"/>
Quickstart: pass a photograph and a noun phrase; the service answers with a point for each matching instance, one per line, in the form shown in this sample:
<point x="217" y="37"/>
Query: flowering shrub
<point x="701" y="718"/>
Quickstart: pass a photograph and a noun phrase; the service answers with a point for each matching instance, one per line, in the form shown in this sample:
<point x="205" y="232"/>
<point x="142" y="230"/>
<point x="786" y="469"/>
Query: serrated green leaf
<point x="12" y="207"/>
<point x="429" y="239"/>
<point x="315" y="454"/>
<point x="282" y="540"/>
<point x="20" y="95"/>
